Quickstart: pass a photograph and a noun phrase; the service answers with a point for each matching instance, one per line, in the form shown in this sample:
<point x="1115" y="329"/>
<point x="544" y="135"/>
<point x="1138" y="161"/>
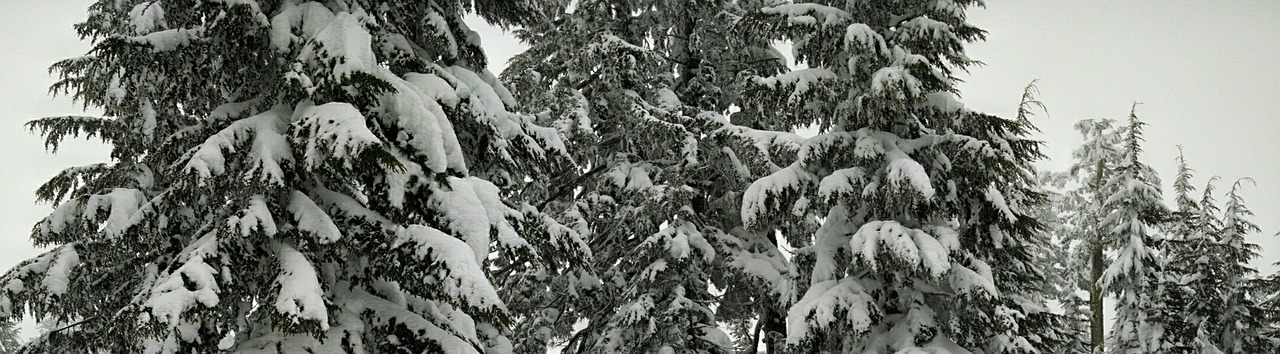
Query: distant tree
<point x="286" y="176"/>
<point x="1215" y="301"/>
<point x="1191" y="286"/>
<point x="1066" y="261"/>
<point x="1238" y="320"/>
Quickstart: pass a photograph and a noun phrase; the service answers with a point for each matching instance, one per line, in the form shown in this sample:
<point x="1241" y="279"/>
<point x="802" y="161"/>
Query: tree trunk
<point x="1095" y="297"/>
<point x="1095" y="273"/>
<point x="775" y="329"/>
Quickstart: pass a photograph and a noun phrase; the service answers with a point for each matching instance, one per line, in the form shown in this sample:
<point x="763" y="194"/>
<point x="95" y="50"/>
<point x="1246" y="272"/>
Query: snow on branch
<point x="464" y="281"/>
<point x="828" y="305"/>
<point x="301" y="297"/>
<point x="268" y="151"/>
<point x="192" y="284"/>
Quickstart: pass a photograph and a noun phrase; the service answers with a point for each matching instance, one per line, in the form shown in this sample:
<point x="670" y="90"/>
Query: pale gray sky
<point x="1208" y="73"/>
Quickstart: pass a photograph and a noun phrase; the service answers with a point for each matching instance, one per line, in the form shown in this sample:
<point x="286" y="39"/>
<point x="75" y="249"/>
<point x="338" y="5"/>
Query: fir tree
<point x="1237" y="323"/>
<point x="1132" y="208"/>
<point x="286" y="176"/>
<point x="927" y="205"/>
<point x="1190" y="240"/>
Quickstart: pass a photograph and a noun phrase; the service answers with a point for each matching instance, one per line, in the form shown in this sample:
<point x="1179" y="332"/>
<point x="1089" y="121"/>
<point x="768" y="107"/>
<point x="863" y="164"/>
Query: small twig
<point x="565" y="189"/>
<point x="75" y="324"/>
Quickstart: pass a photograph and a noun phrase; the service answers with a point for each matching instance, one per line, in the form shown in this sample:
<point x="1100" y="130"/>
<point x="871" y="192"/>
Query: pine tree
<point x="640" y="90"/>
<point x="1095" y="160"/>
<point x="1238" y="320"/>
<point x="1132" y="208"/>
<point x="927" y="205"/>
<point x="1216" y="299"/>
<point x="286" y="176"/>
<point x="1190" y="284"/>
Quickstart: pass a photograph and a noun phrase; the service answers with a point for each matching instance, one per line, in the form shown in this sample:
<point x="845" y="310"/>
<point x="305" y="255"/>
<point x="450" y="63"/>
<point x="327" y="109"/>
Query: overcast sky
<point x="1207" y="72"/>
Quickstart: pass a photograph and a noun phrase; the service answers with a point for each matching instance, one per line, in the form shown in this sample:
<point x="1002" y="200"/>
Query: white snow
<point x="256" y="217"/>
<point x="121" y="205"/>
<point x="889" y="80"/>
<point x="819" y="306"/>
<point x="168" y="40"/>
<point x="333" y="130"/>
<point x="861" y="37"/>
<point x="419" y="117"/>
<point x="170" y="297"/>
<point x="830" y="16"/>
<point x="57" y="277"/>
<point x="268" y="151"/>
<point x="465" y="214"/>
<point x="831" y="237"/>
<point x="766" y="190"/>
<point x="903" y="167"/>
<point x="308" y="17"/>
<point x="300" y="296"/>
<point x="964" y="280"/>
<point x="465" y="281"/>
<point x="842" y="181"/>
<point x="997" y="200"/>
<point x="147" y="17"/>
<point x="342" y="37"/>
<point x="310" y="218"/>
<point x="912" y="246"/>
<point x="800" y="81"/>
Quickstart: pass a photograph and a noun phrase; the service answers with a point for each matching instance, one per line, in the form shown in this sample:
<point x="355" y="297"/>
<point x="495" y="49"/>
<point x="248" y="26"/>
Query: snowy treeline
<point x="345" y="176"/>
<point x="1180" y="274"/>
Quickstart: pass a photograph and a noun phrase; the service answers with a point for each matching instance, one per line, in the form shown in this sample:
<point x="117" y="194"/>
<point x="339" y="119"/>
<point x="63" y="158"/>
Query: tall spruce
<point x="1190" y="245"/>
<point x="285" y="176"/>
<point x="640" y="91"/>
<point x="1133" y="206"/>
<point x="926" y="205"/>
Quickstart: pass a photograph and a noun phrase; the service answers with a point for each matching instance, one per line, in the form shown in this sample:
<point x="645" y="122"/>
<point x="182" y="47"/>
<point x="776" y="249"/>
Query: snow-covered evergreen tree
<point x="1269" y="301"/>
<point x="1136" y="275"/>
<point x="1221" y="309"/>
<point x="640" y="91"/>
<point x="1082" y="207"/>
<point x="1238" y="320"/>
<point x="927" y="205"/>
<point x="1190" y="287"/>
<point x="1066" y="260"/>
<point x="286" y="176"/>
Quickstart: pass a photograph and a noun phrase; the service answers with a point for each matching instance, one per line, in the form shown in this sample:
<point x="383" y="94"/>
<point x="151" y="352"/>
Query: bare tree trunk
<point x="1095" y="274"/>
<point x="1095" y="297"/>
